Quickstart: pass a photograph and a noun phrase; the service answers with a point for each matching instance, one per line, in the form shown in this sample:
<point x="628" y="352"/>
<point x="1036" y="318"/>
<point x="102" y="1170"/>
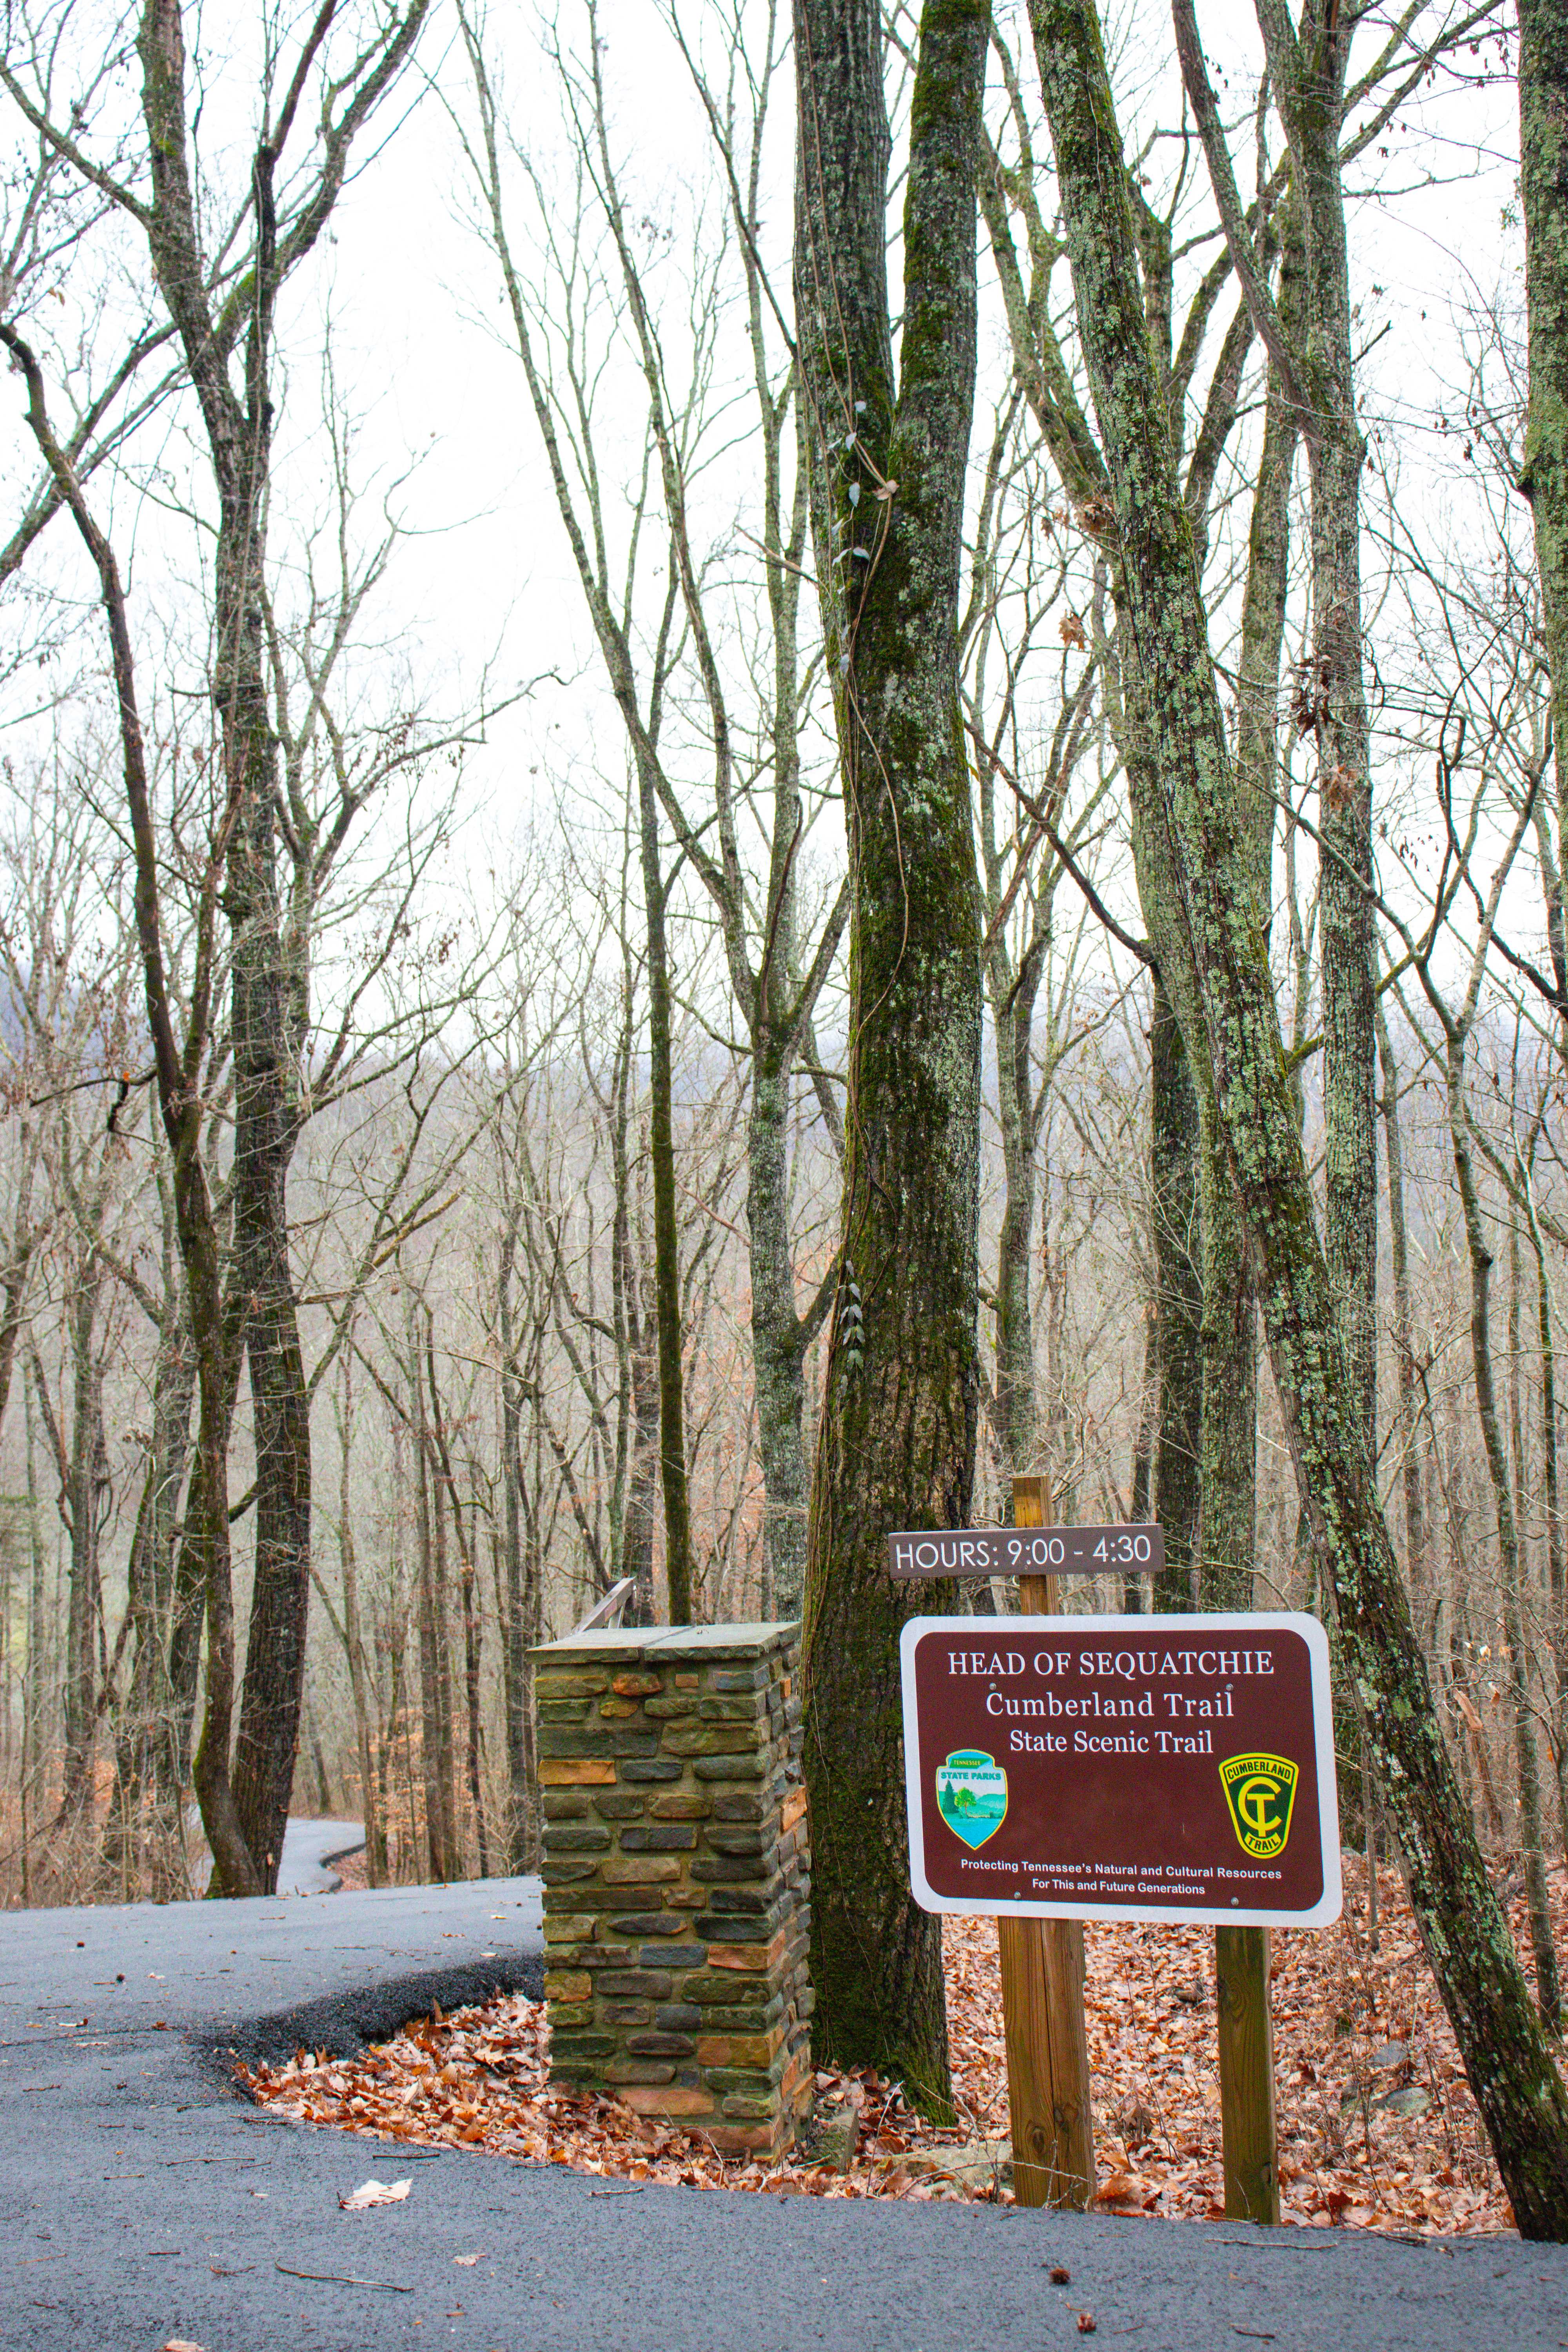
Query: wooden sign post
<point x="1042" y="1998"/>
<point x="1248" y="2129"/>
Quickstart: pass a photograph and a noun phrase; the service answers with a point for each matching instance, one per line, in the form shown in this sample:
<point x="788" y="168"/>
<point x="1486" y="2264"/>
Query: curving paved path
<point x="140" y="2201"/>
<point x="310" y="1849"/>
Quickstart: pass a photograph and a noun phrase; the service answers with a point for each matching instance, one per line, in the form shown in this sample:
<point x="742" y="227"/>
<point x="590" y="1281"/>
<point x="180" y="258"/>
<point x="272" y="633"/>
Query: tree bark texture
<point x="87" y="1471"/>
<point x="1178" y="1252"/>
<point x="898" y="1426"/>
<point x="1507" y="2057"/>
<point x="520" y="1628"/>
<point x="1013" y="985"/>
<point x="1556" y="1597"/>
<point x="151" y="1751"/>
<point x="1229" y="1470"/>
<point x="1307" y="70"/>
<point x="1543" y="177"/>
<point x="1509" y="1547"/>
<point x="1415" y="1560"/>
<point x="263" y="1009"/>
<point x="677" y="1562"/>
<point x="778" y="1351"/>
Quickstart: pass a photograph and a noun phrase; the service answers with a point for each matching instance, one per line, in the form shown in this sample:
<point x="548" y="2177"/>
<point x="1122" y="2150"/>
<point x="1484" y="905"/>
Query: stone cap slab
<point x="669" y="1644"/>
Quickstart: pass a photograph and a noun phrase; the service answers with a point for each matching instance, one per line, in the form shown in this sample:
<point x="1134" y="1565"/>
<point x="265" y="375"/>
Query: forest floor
<point x="1377" y="2126"/>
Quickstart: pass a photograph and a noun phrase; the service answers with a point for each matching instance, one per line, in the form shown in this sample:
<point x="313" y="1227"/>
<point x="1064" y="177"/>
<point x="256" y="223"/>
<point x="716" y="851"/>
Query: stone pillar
<point x="676" y="1876"/>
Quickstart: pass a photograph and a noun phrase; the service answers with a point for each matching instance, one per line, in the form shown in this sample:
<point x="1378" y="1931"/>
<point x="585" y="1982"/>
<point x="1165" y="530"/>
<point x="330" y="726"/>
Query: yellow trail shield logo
<point x="1260" y="1791"/>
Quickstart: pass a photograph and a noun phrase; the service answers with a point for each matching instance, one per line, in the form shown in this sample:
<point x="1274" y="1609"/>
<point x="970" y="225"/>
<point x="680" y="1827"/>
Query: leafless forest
<point x="470" y="1234"/>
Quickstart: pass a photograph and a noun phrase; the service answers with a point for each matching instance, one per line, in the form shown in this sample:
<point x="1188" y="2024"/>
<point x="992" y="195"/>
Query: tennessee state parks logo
<point x="1260" y="1791"/>
<point x="971" y="1795"/>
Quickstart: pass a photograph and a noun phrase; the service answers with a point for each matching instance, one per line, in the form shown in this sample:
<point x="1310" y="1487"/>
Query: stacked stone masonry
<point x="676" y="1876"/>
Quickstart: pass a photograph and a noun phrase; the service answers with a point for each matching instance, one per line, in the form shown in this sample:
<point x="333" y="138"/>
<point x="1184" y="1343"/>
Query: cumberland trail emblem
<point x="1260" y="1791"/>
<point x="971" y="1795"/>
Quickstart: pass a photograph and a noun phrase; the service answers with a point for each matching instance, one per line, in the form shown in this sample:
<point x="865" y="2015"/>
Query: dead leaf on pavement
<point x="375" y="2192"/>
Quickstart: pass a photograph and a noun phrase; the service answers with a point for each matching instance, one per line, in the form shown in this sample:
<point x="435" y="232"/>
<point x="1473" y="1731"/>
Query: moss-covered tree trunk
<point x="1506" y="2054"/>
<point x="1174" y="1145"/>
<point x="1228" y="1469"/>
<point x="896" y="1436"/>
<point x="1306" y="60"/>
<point x="1543" y="179"/>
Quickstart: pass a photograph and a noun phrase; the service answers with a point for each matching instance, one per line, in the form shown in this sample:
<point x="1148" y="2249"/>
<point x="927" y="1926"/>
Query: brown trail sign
<point x="1271" y="1803"/>
<point x="1058" y="1768"/>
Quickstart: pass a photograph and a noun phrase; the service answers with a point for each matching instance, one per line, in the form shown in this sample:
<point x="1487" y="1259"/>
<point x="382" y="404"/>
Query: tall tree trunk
<point x="1415" y="1562"/>
<point x="1543" y="478"/>
<point x="780" y="1334"/>
<point x="1508" y="1540"/>
<point x="1140" y="1509"/>
<point x="85" y="1470"/>
<point x="1556" y="1594"/>
<point x="473" y="1639"/>
<point x="1314" y="356"/>
<point x="468" y="1601"/>
<point x="678" y="1562"/>
<point x="33" y="1686"/>
<point x="435" y="1722"/>
<point x="1013" y="995"/>
<point x="642" y="1477"/>
<point x="1228" y="1519"/>
<point x="778" y="1337"/>
<point x="263" y="1004"/>
<point x="897" y="1427"/>
<point x="264" y="1127"/>
<point x="1507" y="2057"/>
<point x="145" y="1764"/>
<point x="1177" y="1256"/>
<point x="517" y="1621"/>
<point x="362" y="1671"/>
<point x="1349" y="938"/>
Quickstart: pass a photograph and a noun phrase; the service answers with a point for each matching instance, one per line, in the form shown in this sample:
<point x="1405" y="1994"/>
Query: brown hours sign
<point x="1142" y="1768"/>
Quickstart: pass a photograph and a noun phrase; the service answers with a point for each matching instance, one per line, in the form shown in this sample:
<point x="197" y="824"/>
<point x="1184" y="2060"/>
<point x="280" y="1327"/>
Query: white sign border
<point x="1331" y="1902"/>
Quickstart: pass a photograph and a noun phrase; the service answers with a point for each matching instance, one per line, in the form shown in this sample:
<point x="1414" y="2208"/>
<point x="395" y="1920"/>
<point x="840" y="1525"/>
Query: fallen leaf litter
<point x="1377" y="2126"/>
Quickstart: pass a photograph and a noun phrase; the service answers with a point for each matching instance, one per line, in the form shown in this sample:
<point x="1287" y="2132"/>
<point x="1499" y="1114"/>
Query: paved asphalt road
<point x="140" y="2201"/>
